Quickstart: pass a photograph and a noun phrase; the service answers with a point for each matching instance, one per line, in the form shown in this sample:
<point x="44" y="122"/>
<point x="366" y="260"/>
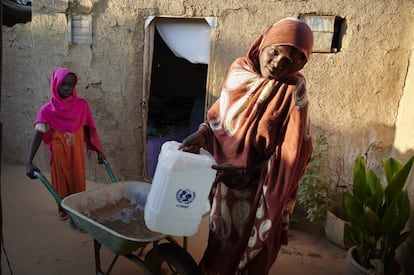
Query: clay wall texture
<point x="359" y="96"/>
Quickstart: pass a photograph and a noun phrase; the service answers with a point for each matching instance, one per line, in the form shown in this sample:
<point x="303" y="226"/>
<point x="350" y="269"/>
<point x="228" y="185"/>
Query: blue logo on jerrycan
<point x="185" y="197"/>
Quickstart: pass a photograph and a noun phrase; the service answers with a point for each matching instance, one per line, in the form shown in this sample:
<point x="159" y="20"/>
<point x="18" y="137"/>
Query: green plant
<point x="313" y="187"/>
<point x="377" y="213"/>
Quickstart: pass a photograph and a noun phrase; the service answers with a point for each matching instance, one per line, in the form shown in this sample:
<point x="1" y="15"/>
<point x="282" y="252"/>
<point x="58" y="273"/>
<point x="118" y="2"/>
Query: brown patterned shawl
<point x="257" y="120"/>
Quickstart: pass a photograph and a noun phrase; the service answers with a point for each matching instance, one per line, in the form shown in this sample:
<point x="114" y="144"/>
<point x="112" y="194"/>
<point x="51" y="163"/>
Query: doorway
<point x="177" y="82"/>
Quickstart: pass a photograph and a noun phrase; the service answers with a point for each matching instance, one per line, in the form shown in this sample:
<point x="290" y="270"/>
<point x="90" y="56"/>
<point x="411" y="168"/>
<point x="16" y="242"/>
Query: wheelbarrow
<point x="113" y="216"/>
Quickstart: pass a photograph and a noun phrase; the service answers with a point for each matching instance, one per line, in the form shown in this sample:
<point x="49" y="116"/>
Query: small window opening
<point x="80" y="29"/>
<point x="327" y="32"/>
<point x="339" y="30"/>
<point x="16" y="12"/>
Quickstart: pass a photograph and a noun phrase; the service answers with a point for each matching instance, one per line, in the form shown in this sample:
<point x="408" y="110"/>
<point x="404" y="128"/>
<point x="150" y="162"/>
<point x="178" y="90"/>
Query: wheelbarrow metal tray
<point x="126" y="231"/>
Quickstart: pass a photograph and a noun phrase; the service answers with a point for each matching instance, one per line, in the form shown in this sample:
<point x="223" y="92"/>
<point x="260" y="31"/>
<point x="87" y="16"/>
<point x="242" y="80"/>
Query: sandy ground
<point x="37" y="242"/>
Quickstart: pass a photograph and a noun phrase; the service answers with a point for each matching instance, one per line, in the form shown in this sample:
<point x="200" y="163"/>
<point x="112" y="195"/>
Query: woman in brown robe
<point x="259" y="134"/>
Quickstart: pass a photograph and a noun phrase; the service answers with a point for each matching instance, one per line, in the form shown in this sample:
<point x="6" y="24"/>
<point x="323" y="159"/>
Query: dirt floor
<point x="37" y="242"/>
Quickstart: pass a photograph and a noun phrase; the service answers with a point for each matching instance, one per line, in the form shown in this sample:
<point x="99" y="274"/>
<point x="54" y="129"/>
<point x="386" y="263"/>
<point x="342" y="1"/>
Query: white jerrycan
<point x="179" y="191"/>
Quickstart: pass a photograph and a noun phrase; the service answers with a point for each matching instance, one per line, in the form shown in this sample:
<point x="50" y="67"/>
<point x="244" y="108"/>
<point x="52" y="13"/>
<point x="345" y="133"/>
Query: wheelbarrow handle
<point x="109" y="170"/>
<point x="52" y="190"/>
<point x="49" y="187"/>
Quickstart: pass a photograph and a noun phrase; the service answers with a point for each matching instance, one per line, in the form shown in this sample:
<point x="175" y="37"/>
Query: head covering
<point x="67" y="115"/>
<point x="248" y="101"/>
<point x="289" y="31"/>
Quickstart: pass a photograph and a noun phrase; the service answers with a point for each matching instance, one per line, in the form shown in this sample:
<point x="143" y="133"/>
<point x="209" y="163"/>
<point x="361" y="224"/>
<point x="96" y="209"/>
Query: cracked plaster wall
<point x="354" y="94"/>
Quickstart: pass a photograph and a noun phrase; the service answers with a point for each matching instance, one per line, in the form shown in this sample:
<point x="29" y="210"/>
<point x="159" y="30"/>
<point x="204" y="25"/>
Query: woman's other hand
<point x="236" y="177"/>
<point x="226" y="173"/>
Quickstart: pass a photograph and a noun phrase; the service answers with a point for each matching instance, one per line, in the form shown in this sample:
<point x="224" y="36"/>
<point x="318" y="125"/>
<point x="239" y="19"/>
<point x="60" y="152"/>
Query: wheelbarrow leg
<point x="140" y="263"/>
<point x="97" y="247"/>
<point x="112" y="264"/>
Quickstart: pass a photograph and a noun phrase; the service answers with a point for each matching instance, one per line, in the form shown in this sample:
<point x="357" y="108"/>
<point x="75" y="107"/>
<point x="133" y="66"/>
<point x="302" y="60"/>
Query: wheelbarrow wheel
<point x="169" y="258"/>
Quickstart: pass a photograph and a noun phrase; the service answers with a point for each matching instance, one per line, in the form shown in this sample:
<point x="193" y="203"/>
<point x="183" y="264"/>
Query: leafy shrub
<point x="313" y="186"/>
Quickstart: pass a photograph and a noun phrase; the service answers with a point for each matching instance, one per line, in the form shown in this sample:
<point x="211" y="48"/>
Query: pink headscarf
<point x="67" y="115"/>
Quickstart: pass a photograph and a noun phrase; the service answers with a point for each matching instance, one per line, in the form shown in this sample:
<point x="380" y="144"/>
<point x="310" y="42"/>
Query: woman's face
<point x="277" y="61"/>
<point x="66" y="88"/>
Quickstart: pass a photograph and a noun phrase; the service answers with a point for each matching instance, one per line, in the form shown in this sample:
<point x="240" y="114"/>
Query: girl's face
<point x="277" y="61"/>
<point x="66" y="88"/>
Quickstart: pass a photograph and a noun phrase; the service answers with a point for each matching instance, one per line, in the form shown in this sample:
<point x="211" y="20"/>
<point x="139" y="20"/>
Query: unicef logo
<point x="185" y="196"/>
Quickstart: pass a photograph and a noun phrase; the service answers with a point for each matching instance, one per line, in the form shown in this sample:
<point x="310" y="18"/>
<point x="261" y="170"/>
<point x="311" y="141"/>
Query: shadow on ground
<point x="37" y="242"/>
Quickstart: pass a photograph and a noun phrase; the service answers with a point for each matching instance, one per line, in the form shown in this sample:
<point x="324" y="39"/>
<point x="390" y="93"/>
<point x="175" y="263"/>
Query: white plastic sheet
<point x="187" y="39"/>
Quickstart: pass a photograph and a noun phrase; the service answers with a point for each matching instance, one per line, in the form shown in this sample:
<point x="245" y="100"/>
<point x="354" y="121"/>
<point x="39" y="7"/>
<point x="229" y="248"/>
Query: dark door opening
<point x="176" y="101"/>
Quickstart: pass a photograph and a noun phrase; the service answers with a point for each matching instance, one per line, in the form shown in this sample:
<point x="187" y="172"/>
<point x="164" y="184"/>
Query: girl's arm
<point x="101" y="156"/>
<point x="34" y="146"/>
